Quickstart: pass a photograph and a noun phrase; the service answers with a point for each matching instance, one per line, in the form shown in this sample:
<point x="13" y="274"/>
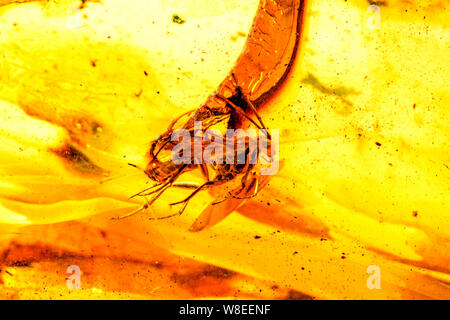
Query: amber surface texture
<point x="357" y="91"/>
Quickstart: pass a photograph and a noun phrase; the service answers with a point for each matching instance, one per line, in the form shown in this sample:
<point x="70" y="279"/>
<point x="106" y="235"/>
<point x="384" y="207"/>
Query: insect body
<point x="259" y="71"/>
<point x="223" y="166"/>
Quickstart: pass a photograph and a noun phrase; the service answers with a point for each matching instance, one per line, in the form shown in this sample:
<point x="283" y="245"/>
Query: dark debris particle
<point x="157" y="265"/>
<point x="415" y="213"/>
<point x="378" y="144"/>
<point x="257" y="237"/>
<point x="77" y="160"/>
<point x="196" y="278"/>
<point x="96" y="127"/>
<point x="297" y="295"/>
<point x="20" y="255"/>
<point x="138" y="94"/>
<point x="177" y="19"/>
<point x="377" y="3"/>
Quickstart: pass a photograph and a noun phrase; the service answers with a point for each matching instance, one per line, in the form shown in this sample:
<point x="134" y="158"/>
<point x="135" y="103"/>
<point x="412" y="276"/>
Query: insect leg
<point x="161" y="187"/>
<point x="144" y="207"/>
<point x="204" y="170"/>
<point x="149" y="203"/>
<point x="160" y="191"/>
<point x="247" y="170"/>
<point x="186" y="185"/>
<point x="219" y="201"/>
<point x="243" y="185"/>
<point x="251" y="106"/>
<point x="161" y="148"/>
<point x="165" y="186"/>
<point x="178" y="118"/>
<point x="255" y="183"/>
<point x="206" y="184"/>
<point x="257" y="115"/>
<point x="186" y="201"/>
<point x="140" y="193"/>
<point x="240" y="111"/>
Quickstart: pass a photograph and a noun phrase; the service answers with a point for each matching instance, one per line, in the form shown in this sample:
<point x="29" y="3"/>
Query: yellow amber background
<point x="364" y="133"/>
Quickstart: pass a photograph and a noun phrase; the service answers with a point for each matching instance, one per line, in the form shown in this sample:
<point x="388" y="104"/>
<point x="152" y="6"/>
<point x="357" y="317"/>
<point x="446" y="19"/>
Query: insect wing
<point x="217" y="211"/>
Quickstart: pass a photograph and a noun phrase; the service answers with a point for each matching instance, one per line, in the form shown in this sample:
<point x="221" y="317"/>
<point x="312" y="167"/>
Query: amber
<point x="359" y="93"/>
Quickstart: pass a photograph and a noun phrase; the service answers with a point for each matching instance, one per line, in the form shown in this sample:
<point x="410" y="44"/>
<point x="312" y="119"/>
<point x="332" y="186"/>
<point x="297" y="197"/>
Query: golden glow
<point x="365" y="142"/>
